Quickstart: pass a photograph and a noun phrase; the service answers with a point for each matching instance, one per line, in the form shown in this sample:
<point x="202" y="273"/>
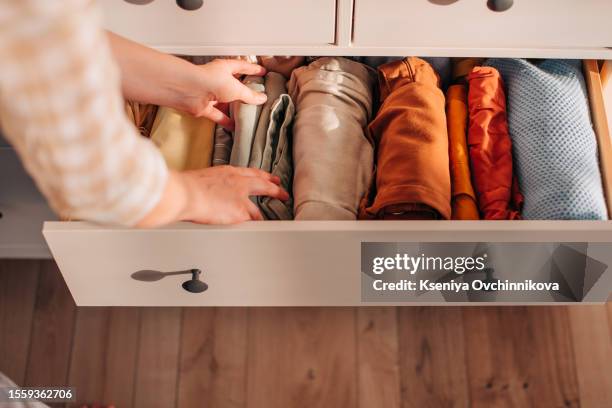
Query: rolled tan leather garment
<point x="332" y="155"/>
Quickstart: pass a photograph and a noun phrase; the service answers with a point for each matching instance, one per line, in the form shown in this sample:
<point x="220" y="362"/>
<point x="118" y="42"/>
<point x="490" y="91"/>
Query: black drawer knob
<point x="500" y="5"/>
<point x="190" y="5"/>
<point x="195" y="285"/>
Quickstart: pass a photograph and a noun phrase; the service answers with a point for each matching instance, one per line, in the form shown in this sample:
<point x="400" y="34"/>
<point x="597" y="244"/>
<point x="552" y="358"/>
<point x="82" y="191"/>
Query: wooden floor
<point x="302" y="357"/>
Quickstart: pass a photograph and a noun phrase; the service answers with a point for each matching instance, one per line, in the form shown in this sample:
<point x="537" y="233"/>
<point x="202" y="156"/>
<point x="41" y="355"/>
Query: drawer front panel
<point x="223" y="22"/>
<point x="261" y="264"/>
<point x="470" y="24"/>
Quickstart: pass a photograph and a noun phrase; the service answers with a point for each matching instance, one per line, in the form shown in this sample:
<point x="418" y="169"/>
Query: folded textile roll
<point x="222" y="148"/>
<point x="276" y="158"/>
<point x="245" y="118"/>
<point x="412" y="178"/>
<point x="271" y="150"/>
<point x="186" y="142"/>
<point x="142" y="115"/>
<point x="555" y="147"/>
<point x="463" y="201"/>
<point x="282" y="65"/>
<point x="491" y="148"/>
<point x="275" y="86"/>
<point x="332" y="155"/>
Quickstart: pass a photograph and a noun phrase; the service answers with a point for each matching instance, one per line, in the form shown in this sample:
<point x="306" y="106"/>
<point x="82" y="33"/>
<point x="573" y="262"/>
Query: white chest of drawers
<point x="317" y="263"/>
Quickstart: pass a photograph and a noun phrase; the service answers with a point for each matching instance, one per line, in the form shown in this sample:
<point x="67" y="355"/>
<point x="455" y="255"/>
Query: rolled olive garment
<point x="332" y="155"/>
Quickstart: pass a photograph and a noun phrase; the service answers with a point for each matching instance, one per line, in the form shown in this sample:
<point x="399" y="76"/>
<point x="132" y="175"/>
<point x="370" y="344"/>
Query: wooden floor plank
<point x="52" y="330"/>
<point x="121" y="355"/>
<point x="213" y="358"/>
<point x="87" y="364"/>
<point x="158" y="353"/>
<point x="18" y="283"/>
<point x="378" y="358"/>
<point x="104" y="353"/>
<point x="302" y="357"/>
<point x="593" y="353"/>
<point x="432" y="360"/>
<point x="520" y="356"/>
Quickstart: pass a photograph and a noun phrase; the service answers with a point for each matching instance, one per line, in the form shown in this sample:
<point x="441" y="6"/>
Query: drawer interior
<point x="598" y="115"/>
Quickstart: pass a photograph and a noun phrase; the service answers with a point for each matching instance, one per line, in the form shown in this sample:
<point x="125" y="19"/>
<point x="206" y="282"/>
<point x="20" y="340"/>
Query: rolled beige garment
<point x="332" y="153"/>
<point x="282" y="65"/>
<point x="186" y="142"/>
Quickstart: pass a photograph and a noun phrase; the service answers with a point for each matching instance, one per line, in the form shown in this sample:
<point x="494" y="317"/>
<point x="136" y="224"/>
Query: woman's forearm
<point x="150" y="76"/>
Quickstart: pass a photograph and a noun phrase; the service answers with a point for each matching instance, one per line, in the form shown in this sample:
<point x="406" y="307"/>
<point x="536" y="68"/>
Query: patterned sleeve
<point x="62" y="110"/>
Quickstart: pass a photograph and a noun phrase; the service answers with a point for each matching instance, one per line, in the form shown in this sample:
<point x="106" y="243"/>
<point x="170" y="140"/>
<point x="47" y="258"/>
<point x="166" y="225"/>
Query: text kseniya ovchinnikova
<point x="414" y="264"/>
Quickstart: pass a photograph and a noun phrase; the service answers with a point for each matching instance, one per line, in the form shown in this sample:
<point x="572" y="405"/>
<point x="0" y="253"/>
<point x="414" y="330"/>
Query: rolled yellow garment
<point x="186" y="142"/>
<point x="463" y="201"/>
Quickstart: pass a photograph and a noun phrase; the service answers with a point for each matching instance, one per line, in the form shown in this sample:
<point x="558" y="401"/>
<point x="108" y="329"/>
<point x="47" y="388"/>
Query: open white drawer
<point x="164" y="25"/>
<point x="280" y="263"/>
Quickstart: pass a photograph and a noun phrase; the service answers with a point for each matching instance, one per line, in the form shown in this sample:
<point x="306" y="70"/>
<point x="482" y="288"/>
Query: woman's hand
<point x="220" y="85"/>
<point x="215" y="195"/>
<point x="149" y="76"/>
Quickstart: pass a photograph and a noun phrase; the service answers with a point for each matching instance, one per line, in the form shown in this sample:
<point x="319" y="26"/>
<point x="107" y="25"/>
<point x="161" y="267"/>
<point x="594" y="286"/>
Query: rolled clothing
<point x="282" y="65"/>
<point x="223" y="142"/>
<point x="413" y="177"/>
<point x="275" y="86"/>
<point x="463" y="198"/>
<point x="490" y="147"/>
<point x="276" y="158"/>
<point x="186" y="142"/>
<point x="271" y="150"/>
<point x="332" y="154"/>
<point x="245" y="117"/>
<point x="142" y="115"/>
<point x="555" y="146"/>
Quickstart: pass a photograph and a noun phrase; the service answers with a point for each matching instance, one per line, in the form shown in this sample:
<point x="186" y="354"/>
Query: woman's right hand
<point x="215" y="195"/>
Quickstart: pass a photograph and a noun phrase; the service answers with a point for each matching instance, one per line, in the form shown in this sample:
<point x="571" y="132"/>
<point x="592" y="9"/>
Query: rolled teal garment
<point x="554" y="144"/>
<point x="245" y="117"/>
<point x="271" y="149"/>
<point x="277" y="158"/>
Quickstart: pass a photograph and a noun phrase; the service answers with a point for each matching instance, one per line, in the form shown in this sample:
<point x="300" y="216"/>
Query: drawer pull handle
<point x="193" y="285"/>
<point x="190" y="5"/>
<point x="499" y="5"/>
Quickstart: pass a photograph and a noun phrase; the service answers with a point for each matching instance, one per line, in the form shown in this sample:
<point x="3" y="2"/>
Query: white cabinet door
<point x="470" y="24"/>
<point x="163" y="24"/>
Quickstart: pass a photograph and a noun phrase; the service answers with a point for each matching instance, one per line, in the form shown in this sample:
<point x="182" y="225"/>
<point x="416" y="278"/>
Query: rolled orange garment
<point x="463" y="200"/>
<point x="412" y="179"/>
<point x="490" y="147"/>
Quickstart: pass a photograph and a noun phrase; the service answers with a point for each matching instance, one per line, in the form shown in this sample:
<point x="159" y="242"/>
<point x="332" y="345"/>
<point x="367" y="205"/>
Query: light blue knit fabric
<point x="554" y="144"/>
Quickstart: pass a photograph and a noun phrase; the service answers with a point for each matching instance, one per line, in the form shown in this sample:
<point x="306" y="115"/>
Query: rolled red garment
<point x="413" y="178"/>
<point x="490" y="147"/>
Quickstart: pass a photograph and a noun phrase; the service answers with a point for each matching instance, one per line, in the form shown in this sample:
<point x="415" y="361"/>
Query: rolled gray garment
<point x="6" y="382"/>
<point x="276" y="158"/>
<point x="245" y="117"/>
<point x="275" y="86"/>
<point x="332" y="154"/>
